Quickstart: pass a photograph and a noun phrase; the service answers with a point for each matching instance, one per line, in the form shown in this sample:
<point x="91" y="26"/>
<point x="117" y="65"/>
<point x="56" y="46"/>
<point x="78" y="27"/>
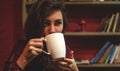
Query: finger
<point x="36" y="42"/>
<point x="63" y="63"/>
<point x="37" y="39"/>
<point x="35" y="50"/>
<point x="64" y="66"/>
<point x="68" y="61"/>
<point x="72" y="54"/>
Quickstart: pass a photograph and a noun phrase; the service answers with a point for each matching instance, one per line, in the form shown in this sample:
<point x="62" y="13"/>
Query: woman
<point x="45" y="17"/>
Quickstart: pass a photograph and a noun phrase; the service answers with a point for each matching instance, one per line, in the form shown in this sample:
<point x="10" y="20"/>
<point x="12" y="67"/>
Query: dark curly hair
<point x="34" y="25"/>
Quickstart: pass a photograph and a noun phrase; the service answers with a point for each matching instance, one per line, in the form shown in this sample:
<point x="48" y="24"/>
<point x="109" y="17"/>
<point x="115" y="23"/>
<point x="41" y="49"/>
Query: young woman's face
<point x="53" y="23"/>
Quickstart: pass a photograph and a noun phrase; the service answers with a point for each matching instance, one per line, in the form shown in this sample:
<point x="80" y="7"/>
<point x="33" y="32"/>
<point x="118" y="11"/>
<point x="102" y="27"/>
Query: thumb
<point x="72" y="54"/>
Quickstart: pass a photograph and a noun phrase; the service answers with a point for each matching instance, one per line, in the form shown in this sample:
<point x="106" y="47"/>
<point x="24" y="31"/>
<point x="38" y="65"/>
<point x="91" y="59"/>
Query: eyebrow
<point x="55" y="20"/>
<point x="58" y="19"/>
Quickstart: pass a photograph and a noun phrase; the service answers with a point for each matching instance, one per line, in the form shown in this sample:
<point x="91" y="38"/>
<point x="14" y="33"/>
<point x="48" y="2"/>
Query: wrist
<point x="22" y="62"/>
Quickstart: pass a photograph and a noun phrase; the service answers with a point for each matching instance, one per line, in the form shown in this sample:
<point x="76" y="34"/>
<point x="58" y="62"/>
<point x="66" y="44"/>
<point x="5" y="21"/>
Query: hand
<point x="69" y="64"/>
<point x="31" y="50"/>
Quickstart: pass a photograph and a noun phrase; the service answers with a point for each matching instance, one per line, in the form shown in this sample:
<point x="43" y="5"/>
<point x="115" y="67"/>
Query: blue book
<point x="112" y="54"/>
<point x="101" y="52"/>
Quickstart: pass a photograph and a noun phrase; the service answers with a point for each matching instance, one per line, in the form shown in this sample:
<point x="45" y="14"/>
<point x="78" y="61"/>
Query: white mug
<point x="56" y="45"/>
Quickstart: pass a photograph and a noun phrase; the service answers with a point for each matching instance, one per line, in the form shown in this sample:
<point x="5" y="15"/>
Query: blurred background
<point x="11" y="27"/>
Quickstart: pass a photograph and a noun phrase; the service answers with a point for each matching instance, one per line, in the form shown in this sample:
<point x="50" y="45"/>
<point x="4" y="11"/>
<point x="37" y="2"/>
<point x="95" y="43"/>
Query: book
<point x="103" y="24"/>
<point x="105" y="55"/>
<point x="107" y="59"/>
<point x="110" y="22"/>
<point x="117" y="58"/>
<point x="83" y="0"/>
<point x="116" y="22"/>
<point x="106" y="25"/>
<point x="100" y="53"/>
<point x="117" y="29"/>
<point x="118" y="25"/>
<point x="112" y="54"/>
<point x="117" y="54"/>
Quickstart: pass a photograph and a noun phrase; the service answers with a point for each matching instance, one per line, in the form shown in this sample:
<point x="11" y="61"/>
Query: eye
<point x="58" y="22"/>
<point x="46" y="23"/>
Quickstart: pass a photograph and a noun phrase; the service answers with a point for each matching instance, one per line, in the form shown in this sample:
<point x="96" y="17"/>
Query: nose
<point x="52" y="28"/>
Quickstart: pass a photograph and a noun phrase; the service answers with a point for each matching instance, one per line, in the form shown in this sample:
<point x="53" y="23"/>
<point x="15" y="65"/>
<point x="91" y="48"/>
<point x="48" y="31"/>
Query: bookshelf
<point x="86" y="43"/>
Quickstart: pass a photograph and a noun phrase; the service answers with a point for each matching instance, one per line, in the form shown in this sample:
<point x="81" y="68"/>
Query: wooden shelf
<point x="93" y="3"/>
<point x="98" y="65"/>
<point x="87" y="44"/>
<point x="92" y="34"/>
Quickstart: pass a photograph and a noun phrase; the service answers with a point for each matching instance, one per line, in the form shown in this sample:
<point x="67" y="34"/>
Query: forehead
<point x="55" y="15"/>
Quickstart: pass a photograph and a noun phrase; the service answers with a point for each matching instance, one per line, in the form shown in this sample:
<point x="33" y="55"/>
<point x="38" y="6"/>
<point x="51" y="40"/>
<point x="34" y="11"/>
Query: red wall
<point x="10" y="27"/>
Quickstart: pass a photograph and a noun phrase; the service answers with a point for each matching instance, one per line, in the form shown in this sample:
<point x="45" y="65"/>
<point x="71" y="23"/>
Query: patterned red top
<point x="40" y="63"/>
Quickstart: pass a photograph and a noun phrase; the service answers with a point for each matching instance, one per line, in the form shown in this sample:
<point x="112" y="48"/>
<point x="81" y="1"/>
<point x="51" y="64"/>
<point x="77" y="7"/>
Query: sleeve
<point x="14" y="67"/>
<point x="11" y="64"/>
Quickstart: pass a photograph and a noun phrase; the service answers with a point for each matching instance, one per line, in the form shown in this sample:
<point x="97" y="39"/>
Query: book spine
<point x="100" y="53"/>
<point x="116" y="22"/>
<point x="112" y="54"/>
<point x="105" y="55"/>
<point x="110" y="23"/>
<point x="117" y="58"/>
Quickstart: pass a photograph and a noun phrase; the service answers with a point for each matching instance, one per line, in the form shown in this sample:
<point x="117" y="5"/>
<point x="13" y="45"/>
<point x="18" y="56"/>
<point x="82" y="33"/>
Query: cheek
<point x="45" y="31"/>
<point x="59" y="29"/>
